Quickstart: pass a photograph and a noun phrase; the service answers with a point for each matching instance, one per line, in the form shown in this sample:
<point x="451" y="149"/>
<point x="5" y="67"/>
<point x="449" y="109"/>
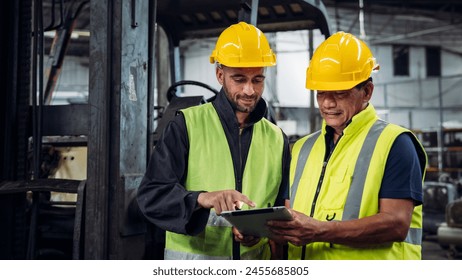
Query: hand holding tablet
<point x="253" y="221"/>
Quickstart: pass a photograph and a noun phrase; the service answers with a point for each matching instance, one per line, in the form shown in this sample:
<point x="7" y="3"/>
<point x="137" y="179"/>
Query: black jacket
<point x="162" y="197"/>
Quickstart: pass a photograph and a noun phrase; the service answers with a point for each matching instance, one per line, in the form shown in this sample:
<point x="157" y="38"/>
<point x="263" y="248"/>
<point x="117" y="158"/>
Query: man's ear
<point x="368" y="89"/>
<point x="219" y="73"/>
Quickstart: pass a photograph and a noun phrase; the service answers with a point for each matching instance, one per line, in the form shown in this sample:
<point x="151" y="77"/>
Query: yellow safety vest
<point x="210" y="168"/>
<point x="350" y="185"/>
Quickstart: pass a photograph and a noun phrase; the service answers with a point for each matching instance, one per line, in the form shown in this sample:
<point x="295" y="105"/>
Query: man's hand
<point x="227" y="200"/>
<point x="391" y="224"/>
<point x="299" y="231"/>
<point x="246" y="240"/>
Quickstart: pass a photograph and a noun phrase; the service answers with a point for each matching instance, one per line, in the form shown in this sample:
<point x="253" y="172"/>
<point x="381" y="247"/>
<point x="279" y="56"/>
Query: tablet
<point x="253" y="221"/>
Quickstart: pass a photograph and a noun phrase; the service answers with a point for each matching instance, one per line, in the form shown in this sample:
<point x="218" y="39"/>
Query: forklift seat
<point x="177" y="103"/>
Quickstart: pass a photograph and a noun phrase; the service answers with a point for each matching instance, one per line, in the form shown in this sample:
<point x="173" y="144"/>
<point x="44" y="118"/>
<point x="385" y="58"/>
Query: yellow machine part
<point x="72" y="165"/>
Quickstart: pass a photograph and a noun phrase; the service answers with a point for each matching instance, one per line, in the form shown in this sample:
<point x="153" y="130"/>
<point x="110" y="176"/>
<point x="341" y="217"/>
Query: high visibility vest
<point x="211" y="168"/>
<point x="350" y="185"/>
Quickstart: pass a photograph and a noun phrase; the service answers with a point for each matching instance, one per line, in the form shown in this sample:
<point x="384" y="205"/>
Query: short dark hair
<point x="362" y="84"/>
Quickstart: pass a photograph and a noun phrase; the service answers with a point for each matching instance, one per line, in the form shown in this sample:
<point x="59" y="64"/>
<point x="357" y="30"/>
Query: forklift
<point x="131" y="96"/>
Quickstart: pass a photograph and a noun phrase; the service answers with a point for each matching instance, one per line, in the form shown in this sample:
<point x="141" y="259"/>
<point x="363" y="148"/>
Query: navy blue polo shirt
<point x="403" y="174"/>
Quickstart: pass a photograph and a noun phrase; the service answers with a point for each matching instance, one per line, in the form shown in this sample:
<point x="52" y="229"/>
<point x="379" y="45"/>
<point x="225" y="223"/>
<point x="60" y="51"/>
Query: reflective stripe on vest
<point x="213" y="221"/>
<point x="216" y="221"/>
<point x="354" y="197"/>
<point x="353" y="202"/>
<point x="301" y="162"/>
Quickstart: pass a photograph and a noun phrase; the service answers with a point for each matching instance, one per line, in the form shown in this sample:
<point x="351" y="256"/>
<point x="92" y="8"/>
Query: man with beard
<point x="220" y="156"/>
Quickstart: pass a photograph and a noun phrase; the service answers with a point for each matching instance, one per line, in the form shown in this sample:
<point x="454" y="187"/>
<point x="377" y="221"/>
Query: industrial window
<point x="400" y="60"/>
<point x="433" y="60"/>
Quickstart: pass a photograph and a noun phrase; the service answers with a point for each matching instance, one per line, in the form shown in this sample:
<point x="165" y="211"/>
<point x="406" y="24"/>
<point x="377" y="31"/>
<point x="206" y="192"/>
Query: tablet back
<point x="253" y="222"/>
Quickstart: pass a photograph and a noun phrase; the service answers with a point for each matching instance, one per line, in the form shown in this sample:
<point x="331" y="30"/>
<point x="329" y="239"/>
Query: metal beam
<point x="100" y="91"/>
<point x="118" y="127"/>
<point x="398" y="37"/>
<point x="249" y="11"/>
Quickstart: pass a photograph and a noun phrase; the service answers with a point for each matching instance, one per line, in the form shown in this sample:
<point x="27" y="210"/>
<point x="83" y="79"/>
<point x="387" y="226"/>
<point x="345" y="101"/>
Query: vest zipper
<point x="236" y="245"/>
<point x="239" y="173"/>
<point x="318" y="190"/>
<point x="321" y="178"/>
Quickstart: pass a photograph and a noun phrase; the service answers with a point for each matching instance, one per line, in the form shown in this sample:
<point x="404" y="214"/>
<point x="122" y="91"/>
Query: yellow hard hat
<point x="243" y="45"/>
<point x="341" y="62"/>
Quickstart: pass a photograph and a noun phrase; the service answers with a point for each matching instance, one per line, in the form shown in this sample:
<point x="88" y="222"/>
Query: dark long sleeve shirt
<point x="162" y="197"/>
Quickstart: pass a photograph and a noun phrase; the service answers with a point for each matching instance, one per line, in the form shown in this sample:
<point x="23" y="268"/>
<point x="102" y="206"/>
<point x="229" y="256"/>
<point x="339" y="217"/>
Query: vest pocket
<point x="334" y="192"/>
<point x="339" y="175"/>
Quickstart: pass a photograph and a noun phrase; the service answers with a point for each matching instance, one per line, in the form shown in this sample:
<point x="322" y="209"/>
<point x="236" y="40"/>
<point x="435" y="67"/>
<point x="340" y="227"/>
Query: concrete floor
<point x="431" y="250"/>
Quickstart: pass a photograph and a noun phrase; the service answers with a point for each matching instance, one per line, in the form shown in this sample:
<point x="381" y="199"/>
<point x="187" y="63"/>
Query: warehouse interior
<point x="90" y="85"/>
